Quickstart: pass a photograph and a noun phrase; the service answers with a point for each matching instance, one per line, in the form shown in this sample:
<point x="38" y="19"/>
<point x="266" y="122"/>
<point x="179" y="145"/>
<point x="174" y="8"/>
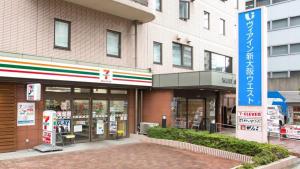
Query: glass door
<point x="196" y="113"/>
<point x="99" y="128"/>
<point x="81" y="119"/>
<point x="118" y="118"/>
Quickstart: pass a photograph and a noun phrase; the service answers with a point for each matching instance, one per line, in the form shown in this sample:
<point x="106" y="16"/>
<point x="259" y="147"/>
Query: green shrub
<point x="262" y="153"/>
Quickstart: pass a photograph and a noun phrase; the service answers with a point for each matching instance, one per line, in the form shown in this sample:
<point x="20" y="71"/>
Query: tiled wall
<point x="27" y="26"/>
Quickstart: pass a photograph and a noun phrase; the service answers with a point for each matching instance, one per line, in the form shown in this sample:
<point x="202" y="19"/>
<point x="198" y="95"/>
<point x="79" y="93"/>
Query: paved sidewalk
<point x="73" y="147"/>
<point x="129" y="156"/>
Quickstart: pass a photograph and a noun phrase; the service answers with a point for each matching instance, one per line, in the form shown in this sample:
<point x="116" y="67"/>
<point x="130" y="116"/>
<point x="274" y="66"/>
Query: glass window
<point x="262" y="2"/>
<point x="62" y="34"/>
<point x="277" y="1"/>
<point x="82" y="90"/>
<point x="280" y="50"/>
<point x="184" y="9"/>
<point x="269" y="50"/>
<point x="113" y="43"/>
<point x="187" y="56"/>
<point x="100" y="91"/>
<point x="157" y="52"/>
<point x="281" y="23"/>
<point x="118" y="91"/>
<point x="228" y="64"/>
<point x="218" y="63"/>
<point x="182" y="55"/>
<point x="206" y="20"/>
<point x="176" y="54"/>
<point x="58" y="89"/>
<point x="222" y="27"/>
<point x="207" y="60"/>
<point x="269" y="26"/>
<point x="294" y="21"/>
<point x="295" y="48"/>
<point x="158" y="5"/>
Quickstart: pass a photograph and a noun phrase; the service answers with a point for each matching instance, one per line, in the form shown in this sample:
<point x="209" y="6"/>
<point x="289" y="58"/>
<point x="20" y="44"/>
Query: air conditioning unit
<point x="145" y="125"/>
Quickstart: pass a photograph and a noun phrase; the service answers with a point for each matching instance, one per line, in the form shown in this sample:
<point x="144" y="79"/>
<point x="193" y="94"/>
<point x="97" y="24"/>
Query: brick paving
<point x="130" y="156"/>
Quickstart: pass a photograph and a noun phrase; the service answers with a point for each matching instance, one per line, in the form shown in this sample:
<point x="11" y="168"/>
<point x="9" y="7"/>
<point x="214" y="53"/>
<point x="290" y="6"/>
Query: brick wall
<point x="32" y="133"/>
<point x="156" y="104"/>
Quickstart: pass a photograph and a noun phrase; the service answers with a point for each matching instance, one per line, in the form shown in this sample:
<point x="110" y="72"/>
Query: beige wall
<point x="167" y="26"/>
<point x="27" y="26"/>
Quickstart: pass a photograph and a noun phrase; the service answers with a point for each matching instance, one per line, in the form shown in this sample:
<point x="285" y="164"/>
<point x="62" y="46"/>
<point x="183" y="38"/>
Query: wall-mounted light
<point x="188" y="41"/>
<point x="178" y="38"/>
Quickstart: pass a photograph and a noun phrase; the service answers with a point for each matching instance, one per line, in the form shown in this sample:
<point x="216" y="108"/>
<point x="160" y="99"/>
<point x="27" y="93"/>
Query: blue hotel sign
<point x="250" y="53"/>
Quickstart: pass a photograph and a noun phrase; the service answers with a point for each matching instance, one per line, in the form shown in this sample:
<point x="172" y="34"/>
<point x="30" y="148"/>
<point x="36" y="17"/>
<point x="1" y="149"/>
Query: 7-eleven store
<point x="85" y="98"/>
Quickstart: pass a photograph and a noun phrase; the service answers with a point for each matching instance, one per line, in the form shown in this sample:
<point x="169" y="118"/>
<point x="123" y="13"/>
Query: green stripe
<point x="47" y="69"/>
<point x="132" y="77"/>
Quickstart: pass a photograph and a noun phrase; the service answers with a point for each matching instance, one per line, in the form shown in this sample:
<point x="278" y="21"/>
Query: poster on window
<point x="64" y="125"/>
<point x="26" y="114"/>
<point x="100" y="127"/>
<point x="113" y="127"/>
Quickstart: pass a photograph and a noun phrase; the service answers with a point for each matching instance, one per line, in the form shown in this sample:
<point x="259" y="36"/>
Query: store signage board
<point x="49" y="127"/>
<point x="26" y="114"/>
<point x="33" y="92"/>
<point x="252" y="75"/>
<point x="33" y="69"/>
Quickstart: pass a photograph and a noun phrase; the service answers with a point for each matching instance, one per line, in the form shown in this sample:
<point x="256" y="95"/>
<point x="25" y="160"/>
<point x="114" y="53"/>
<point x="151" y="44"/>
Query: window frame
<point x="160" y="6"/>
<point x="274" y="55"/>
<point x="210" y="61"/>
<point x="182" y="46"/>
<point x="290" y="46"/>
<point x="161" y="52"/>
<point x="223" y="21"/>
<point x="119" y="43"/>
<point x="208" y="20"/>
<point x="188" y="8"/>
<point x="69" y="34"/>
<point x="287" y="25"/>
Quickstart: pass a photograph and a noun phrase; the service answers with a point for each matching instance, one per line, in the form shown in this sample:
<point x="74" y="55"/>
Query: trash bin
<point x="212" y="127"/>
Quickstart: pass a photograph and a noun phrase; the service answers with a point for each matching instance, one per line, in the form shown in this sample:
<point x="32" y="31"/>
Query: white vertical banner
<point x="252" y="76"/>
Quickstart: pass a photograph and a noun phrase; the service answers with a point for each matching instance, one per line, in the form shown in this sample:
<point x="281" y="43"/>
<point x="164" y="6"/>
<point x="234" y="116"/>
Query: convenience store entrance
<point x="88" y="113"/>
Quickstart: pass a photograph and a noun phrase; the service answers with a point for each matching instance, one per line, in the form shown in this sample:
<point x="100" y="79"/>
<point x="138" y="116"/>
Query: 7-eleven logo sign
<point x="106" y="75"/>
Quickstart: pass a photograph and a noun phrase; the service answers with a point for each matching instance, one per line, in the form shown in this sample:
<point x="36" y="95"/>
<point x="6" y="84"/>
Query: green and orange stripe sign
<point x="32" y="69"/>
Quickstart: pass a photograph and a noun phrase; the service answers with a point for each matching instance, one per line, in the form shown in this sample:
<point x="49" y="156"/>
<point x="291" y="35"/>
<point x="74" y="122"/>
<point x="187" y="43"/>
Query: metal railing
<point x="142" y="2"/>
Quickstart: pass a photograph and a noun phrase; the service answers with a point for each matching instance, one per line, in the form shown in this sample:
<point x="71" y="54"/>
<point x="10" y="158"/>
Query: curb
<point x="281" y="164"/>
<point x="200" y="149"/>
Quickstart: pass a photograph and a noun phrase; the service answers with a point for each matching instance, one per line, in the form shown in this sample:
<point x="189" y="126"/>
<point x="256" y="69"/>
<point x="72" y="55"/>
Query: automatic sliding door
<point x="118" y="118"/>
<point x="81" y="119"/>
<point x="99" y="126"/>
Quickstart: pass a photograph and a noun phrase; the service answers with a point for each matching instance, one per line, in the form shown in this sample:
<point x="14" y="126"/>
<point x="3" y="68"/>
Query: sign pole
<point x="252" y="76"/>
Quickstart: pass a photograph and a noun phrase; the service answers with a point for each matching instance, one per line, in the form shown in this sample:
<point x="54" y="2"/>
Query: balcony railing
<point x="142" y="2"/>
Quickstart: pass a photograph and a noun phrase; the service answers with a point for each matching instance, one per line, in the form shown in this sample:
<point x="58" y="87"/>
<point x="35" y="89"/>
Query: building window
<point x="269" y="50"/>
<point x="158" y="5"/>
<point x="280" y="23"/>
<point x="206" y="20"/>
<point x="113" y="43"/>
<point x="277" y="1"/>
<point x="295" y="48"/>
<point x="222" y="27"/>
<point x="250" y="4"/>
<point x="184" y="9"/>
<point x="157" y="53"/>
<point x="269" y="25"/>
<point x="62" y="34"/>
<point x="217" y="62"/>
<point x="294" y="21"/>
<point x="280" y="50"/>
<point x="262" y="2"/>
<point x="182" y="55"/>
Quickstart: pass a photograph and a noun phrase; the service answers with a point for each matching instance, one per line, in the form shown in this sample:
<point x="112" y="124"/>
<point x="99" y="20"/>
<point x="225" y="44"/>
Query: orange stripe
<point x="41" y="64"/>
<point x="133" y="74"/>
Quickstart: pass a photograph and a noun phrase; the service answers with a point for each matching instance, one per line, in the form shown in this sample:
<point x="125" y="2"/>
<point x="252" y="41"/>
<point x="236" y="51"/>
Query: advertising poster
<point x="113" y="127"/>
<point x="78" y="128"/>
<point x="33" y="92"/>
<point x="64" y="125"/>
<point x="100" y="127"/>
<point x="26" y="114"/>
